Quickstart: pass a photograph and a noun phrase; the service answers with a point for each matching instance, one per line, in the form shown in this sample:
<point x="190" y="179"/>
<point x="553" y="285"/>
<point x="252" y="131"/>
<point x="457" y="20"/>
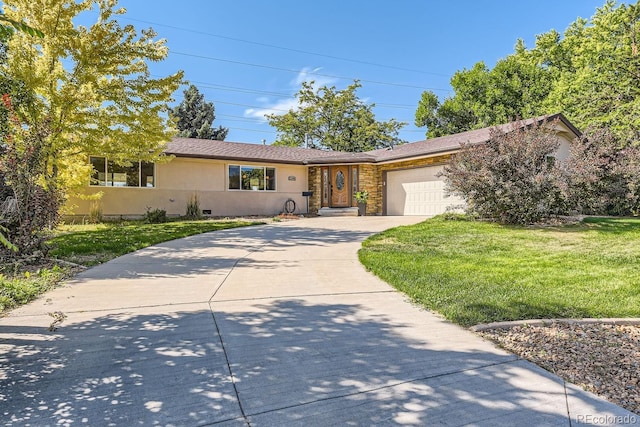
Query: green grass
<point x="89" y="245"/>
<point x="20" y="287"/>
<point x="476" y="272"/>
<point x="95" y="244"/>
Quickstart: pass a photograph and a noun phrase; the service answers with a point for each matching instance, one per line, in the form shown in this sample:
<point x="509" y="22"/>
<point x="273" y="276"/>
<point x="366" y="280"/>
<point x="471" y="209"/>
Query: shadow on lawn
<point x="295" y="363"/>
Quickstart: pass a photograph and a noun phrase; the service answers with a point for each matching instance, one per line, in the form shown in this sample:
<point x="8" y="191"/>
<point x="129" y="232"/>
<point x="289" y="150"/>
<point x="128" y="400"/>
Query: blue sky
<point x="250" y="57"/>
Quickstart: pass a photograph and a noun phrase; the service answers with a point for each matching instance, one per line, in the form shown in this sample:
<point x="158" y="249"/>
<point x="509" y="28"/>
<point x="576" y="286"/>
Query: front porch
<point x="334" y="186"/>
<point x="351" y="211"/>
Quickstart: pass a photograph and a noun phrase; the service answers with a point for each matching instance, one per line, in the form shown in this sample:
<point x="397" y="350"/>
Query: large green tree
<point x="590" y="73"/>
<point x="596" y="69"/>
<point x="194" y="117"/>
<point x="91" y="83"/>
<point x="515" y="87"/>
<point x="332" y="119"/>
<point x="90" y="92"/>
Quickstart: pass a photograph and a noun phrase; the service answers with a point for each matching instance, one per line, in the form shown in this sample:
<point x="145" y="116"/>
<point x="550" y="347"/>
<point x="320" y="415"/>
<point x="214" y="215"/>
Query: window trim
<point x="264" y="177"/>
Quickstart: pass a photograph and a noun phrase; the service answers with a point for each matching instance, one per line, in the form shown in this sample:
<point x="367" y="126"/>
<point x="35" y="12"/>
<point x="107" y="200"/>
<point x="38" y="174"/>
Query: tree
<point x="595" y="67"/>
<point x="8" y="30"/>
<point x="33" y="198"/>
<point x="589" y="73"/>
<point x="513" y="178"/>
<point x="91" y="93"/>
<point x="333" y="119"/>
<point x="483" y="97"/>
<point x="194" y="117"/>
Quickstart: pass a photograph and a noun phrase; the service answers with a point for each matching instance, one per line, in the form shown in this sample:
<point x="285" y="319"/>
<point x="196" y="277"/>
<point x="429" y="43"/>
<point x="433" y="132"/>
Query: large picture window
<point x="107" y="173"/>
<point x="253" y="178"/>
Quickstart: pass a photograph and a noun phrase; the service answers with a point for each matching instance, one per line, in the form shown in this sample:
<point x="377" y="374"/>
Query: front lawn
<point x="476" y="272"/>
<point x="89" y="245"/>
<point x="94" y="244"/>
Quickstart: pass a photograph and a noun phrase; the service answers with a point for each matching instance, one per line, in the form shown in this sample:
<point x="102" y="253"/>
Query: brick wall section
<point x="369" y="181"/>
<point x="315" y="185"/>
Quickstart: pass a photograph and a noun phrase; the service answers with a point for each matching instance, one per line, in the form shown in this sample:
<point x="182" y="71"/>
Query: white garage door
<point x="418" y="192"/>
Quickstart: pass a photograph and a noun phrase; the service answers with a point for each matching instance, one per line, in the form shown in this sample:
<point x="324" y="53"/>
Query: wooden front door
<point x="340" y="187"/>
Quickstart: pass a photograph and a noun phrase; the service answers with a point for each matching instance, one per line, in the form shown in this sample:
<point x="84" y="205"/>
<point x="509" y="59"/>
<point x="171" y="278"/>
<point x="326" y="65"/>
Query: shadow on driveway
<point x="294" y="363"/>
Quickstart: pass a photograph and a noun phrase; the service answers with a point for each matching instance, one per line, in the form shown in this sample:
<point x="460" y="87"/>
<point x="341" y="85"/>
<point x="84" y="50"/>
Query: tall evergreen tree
<point x="194" y="117"/>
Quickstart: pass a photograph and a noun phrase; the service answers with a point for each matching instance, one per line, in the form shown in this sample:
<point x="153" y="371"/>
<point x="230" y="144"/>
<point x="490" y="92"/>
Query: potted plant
<point x="361" y="197"/>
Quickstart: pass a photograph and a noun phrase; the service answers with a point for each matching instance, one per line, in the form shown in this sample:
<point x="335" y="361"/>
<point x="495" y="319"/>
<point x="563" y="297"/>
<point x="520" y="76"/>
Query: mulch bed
<point x="601" y="358"/>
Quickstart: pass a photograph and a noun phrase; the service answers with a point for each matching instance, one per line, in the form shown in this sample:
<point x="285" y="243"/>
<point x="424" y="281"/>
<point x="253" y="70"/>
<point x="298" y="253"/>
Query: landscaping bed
<point x="601" y="358"/>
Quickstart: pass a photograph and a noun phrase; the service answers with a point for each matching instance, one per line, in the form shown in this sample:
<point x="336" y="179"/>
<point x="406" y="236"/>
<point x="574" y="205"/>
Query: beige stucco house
<point x="233" y="179"/>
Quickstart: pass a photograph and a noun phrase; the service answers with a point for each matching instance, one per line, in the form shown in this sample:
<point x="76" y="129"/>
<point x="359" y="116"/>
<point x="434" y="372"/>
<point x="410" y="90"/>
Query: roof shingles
<point x="208" y="149"/>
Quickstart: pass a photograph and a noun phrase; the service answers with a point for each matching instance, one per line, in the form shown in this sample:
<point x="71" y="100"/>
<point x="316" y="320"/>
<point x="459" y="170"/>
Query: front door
<point x="340" y="187"/>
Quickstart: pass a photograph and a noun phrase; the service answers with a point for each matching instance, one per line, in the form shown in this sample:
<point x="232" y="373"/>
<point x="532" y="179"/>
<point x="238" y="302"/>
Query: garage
<point x="417" y="191"/>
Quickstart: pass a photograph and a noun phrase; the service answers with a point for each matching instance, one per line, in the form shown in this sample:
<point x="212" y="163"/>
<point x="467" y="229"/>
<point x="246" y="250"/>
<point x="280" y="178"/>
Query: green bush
<point x="155" y="216"/>
<point x="95" y="213"/>
<point x="193" y="208"/>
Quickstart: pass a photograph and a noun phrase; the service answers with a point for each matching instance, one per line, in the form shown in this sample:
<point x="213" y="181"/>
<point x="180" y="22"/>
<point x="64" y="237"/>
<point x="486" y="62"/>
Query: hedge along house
<point x="235" y="179"/>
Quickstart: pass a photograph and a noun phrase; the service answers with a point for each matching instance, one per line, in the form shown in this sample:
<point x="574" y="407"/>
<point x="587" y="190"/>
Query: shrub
<point x="603" y="174"/>
<point x="155" y="216"/>
<point x="193" y="208"/>
<point x="513" y="178"/>
<point x="95" y="213"/>
<point x="30" y="199"/>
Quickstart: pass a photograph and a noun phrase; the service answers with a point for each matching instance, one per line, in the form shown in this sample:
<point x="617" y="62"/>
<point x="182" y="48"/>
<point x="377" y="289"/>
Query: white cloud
<point x="308" y="74"/>
<point x="281" y="106"/>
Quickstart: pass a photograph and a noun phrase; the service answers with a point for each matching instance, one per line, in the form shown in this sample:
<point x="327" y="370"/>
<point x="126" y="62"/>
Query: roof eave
<point x="235" y="158"/>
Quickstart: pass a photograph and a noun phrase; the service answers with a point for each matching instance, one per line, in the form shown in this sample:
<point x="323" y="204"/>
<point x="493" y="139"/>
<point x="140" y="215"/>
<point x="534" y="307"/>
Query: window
<point x="108" y="173"/>
<point x="325" y="186"/>
<point x="354" y="179"/>
<point x="99" y="173"/>
<point x="253" y="178"/>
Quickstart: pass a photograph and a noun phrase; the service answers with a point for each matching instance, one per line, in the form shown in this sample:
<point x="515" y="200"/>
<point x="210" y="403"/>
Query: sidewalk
<point x="269" y="325"/>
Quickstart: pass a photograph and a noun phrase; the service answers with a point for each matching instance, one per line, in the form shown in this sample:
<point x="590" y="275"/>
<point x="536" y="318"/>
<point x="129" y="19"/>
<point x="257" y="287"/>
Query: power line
<point x="240" y="89"/>
<point x="251" y="106"/>
<point x="290" y="70"/>
<point x="241" y="119"/>
<point x="357" y="61"/>
<point x="251" y="130"/>
<point x="207" y="85"/>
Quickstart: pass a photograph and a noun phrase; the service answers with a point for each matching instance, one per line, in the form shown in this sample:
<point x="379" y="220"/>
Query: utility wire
<point x="290" y="70"/>
<point x="357" y="61"/>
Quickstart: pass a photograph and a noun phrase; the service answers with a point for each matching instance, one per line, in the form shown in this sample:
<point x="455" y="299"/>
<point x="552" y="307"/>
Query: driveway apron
<point x="271" y="325"/>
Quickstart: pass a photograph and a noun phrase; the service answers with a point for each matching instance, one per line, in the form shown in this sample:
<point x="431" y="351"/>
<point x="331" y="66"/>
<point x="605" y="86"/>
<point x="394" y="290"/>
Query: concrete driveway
<point x="271" y="325"/>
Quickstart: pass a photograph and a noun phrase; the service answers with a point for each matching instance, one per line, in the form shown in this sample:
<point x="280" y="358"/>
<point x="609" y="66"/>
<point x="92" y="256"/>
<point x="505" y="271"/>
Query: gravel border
<point x="600" y="355"/>
<point x="547" y="322"/>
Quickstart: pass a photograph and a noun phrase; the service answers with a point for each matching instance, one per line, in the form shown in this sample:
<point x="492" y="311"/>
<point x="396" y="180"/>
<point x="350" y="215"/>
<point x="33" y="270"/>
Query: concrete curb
<point x="548" y="322"/>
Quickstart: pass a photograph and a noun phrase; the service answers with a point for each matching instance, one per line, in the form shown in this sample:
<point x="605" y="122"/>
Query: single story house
<point x="234" y="179"/>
